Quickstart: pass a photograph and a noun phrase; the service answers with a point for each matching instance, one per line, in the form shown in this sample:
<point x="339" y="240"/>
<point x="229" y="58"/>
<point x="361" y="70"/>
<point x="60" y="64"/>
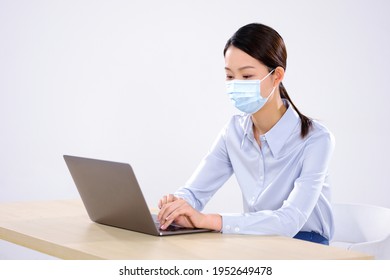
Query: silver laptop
<point x="112" y="196"/>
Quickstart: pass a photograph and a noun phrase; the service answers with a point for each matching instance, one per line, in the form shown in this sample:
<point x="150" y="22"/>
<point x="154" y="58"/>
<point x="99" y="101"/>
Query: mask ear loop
<point x="267" y="75"/>
<point x="272" y="92"/>
<point x="273" y="89"/>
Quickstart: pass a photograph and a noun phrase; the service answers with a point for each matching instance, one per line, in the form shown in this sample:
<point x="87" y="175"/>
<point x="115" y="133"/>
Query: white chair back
<point x="364" y="228"/>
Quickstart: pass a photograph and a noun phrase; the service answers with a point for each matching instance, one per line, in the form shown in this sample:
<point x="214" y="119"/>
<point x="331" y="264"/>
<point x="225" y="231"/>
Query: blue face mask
<point x="245" y="94"/>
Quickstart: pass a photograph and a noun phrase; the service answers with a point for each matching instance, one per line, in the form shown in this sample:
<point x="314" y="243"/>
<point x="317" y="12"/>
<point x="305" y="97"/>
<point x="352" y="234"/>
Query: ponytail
<point x="306" y="123"/>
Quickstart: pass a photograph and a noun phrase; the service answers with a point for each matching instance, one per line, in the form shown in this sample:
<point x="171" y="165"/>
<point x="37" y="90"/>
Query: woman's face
<point x="241" y="66"/>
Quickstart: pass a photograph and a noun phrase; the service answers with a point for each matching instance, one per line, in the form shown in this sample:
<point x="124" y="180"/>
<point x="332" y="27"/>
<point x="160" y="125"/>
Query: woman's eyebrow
<point x="241" y="68"/>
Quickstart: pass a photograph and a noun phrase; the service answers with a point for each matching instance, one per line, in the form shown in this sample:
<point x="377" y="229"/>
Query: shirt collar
<point x="277" y="136"/>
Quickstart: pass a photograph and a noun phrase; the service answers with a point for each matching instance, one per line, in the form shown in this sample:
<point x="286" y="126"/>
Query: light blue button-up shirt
<point x="284" y="183"/>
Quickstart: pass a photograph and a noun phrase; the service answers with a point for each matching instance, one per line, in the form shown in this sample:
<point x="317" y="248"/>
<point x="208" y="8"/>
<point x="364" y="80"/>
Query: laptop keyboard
<point x="171" y="227"/>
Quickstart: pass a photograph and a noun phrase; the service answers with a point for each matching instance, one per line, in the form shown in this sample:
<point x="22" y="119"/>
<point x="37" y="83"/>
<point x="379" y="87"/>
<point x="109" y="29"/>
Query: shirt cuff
<point x="230" y="224"/>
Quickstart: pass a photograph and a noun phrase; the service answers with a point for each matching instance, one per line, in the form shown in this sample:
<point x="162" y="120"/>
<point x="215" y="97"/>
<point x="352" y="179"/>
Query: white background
<point x="143" y="82"/>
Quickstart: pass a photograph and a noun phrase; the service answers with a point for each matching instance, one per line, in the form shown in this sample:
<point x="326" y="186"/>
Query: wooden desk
<point x="63" y="229"/>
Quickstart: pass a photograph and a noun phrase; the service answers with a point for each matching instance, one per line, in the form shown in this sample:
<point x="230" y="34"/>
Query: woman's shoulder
<point x="240" y="122"/>
<point x="320" y="131"/>
<point x="237" y="125"/>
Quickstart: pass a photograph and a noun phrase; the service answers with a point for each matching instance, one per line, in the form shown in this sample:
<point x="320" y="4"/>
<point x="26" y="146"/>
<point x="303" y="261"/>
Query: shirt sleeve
<point x="213" y="171"/>
<point x="296" y="209"/>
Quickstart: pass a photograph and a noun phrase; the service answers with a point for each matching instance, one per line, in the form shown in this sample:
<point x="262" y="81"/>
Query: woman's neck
<point x="268" y="116"/>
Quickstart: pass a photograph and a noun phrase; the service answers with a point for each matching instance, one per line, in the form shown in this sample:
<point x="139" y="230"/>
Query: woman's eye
<point x="229" y="77"/>
<point x="247" y="76"/>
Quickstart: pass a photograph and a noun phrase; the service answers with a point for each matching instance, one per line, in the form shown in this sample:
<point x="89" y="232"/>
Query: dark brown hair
<point x="267" y="46"/>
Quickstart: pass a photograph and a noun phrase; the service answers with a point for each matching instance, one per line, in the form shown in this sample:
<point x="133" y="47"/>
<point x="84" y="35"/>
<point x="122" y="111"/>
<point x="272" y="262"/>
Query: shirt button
<point x="236" y="229"/>
<point x="227" y="227"/>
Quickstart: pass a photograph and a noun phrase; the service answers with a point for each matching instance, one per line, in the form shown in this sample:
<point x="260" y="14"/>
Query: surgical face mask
<point x="245" y="94"/>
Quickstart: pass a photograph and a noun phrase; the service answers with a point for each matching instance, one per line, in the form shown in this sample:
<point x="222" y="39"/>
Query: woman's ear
<point x="278" y="75"/>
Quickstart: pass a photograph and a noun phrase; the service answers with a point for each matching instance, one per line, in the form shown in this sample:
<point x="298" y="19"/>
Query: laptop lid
<point x="112" y="196"/>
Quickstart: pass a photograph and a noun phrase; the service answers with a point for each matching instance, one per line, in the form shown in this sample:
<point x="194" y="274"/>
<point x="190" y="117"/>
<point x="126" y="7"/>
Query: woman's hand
<point x="174" y="209"/>
<point x="166" y="199"/>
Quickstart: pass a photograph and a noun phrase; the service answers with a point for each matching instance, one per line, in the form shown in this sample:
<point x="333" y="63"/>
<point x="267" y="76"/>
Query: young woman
<point x="279" y="156"/>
